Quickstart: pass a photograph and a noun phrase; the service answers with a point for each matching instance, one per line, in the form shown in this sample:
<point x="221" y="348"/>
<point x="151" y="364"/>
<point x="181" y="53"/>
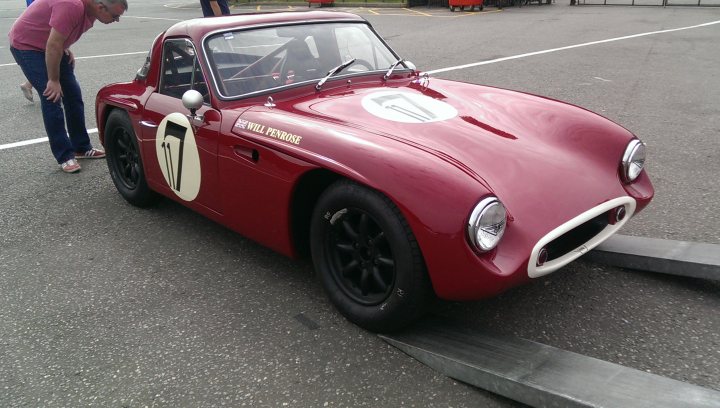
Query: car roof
<point x="197" y="28"/>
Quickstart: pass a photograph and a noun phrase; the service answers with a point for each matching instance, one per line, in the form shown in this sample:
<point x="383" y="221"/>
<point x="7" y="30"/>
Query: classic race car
<point x="305" y="132"/>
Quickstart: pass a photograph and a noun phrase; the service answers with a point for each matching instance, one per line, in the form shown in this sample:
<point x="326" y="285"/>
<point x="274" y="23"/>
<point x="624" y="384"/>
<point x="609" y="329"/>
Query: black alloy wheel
<point x="362" y="261"/>
<point x="127" y="158"/>
<point x="124" y="161"/>
<point x="367" y="258"/>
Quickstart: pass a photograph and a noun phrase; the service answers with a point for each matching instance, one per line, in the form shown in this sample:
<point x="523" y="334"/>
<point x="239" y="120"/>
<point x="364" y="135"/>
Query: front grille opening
<point x="577" y="236"/>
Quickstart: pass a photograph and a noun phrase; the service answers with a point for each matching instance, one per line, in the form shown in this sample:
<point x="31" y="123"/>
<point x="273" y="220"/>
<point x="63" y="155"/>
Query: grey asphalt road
<point x="103" y="304"/>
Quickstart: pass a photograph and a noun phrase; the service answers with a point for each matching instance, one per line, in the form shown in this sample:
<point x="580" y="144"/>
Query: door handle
<point x="148" y="123"/>
<point x="247" y="153"/>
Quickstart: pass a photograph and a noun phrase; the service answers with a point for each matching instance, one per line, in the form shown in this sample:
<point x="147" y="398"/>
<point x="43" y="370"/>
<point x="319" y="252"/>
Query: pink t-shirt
<point x="32" y="29"/>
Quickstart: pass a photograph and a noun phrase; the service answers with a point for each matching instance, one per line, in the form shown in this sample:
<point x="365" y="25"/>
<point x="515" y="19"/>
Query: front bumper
<point x="536" y="268"/>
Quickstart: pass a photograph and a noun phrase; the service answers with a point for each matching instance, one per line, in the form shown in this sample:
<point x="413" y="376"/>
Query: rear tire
<point x="367" y="258"/>
<point x="124" y="161"/>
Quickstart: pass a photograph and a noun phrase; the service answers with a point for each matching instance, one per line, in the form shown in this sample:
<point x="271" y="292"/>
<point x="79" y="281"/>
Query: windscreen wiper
<point x="334" y="71"/>
<point x="392" y="68"/>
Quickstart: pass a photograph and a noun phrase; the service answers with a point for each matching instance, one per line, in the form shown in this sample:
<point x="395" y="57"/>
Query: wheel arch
<point x="306" y="193"/>
<point x="104" y="112"/>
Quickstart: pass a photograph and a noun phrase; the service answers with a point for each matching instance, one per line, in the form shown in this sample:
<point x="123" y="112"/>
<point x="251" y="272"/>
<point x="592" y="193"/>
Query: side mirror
<point x="192" y="100"/>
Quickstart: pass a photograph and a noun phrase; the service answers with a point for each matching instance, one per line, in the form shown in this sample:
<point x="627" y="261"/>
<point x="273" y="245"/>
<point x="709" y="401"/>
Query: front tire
<point x="124" y="161"/>
<point x="367" y="258"/>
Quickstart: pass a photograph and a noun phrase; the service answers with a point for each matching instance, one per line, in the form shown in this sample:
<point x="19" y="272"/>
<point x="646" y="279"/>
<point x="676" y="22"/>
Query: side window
<point x="249" y="61"/>
<point x="181" y="70"/>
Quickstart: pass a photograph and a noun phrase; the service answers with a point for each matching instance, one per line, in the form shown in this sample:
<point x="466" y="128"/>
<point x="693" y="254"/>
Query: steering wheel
<point x="361" y="62"/>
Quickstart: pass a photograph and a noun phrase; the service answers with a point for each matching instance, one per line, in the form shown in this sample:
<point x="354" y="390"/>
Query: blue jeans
<point x="35" y="70"/>
<point x="207" y="9"/>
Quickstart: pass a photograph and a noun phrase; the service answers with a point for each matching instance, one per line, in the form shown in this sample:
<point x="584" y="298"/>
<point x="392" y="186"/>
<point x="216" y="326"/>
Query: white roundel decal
<point x="178" y="156"/>
<point x="407" y="107"/>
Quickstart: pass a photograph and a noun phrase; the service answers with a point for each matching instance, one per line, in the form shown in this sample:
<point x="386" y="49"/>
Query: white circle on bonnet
<point x="407" y="107"/>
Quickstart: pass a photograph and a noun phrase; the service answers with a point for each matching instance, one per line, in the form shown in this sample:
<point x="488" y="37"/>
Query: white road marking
<point x="457" y="67"/>
<point x="155" y="18"/>
<point x="569" y="47"/>
<point x="602" y="79"/>
<point x="91" y="57"/>
<point x="34" y="141"/>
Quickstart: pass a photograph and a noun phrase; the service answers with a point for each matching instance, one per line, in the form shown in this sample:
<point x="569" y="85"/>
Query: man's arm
<point x="53" y="54"/>
<point x="215" y="7"/>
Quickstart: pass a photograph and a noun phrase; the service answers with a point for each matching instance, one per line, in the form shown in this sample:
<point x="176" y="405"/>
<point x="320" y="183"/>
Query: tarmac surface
<point x="103" y="304"/>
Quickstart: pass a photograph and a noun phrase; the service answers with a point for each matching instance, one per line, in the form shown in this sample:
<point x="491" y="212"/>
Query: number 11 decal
<point x="178" y="156"/>
<point x="174" y="136"/>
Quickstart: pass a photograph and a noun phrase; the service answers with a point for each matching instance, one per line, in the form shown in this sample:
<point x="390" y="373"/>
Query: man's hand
<point x="53" y="91"/>
<point x="54" y="51"/>
<point x="71" y="57"/>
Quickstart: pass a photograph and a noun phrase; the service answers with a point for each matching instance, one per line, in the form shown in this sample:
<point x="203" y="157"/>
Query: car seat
<point x="300" y="63"/>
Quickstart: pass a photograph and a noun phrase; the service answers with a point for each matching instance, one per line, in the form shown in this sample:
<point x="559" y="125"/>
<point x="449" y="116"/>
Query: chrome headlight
<point x="633" y="160"/>
<point x="487" y="224"/>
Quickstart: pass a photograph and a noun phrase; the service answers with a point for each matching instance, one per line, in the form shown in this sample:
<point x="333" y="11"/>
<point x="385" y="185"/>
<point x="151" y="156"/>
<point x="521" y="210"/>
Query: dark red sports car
<point x="305" y="132"/>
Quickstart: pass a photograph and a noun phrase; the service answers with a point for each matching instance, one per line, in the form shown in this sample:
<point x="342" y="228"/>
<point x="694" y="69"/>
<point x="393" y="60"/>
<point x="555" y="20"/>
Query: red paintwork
<point x="548" y="161"/>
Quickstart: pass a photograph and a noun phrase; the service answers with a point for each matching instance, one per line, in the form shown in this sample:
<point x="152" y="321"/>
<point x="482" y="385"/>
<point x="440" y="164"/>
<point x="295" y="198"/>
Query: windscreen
<point x="257" y="60"/>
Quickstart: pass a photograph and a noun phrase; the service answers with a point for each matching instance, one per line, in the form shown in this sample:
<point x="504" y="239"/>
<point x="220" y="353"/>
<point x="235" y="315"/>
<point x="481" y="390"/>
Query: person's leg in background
<point x="26" y="87"/>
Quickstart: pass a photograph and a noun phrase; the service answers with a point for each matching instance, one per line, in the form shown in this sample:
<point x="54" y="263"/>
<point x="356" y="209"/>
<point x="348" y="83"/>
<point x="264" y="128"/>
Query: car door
<point x="257" y="175"/>
<point x="181" y="151"/>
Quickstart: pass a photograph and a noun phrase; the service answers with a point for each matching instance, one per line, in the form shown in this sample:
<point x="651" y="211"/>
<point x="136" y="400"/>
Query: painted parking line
<point x="154" y="18"/>
<point x="34" y="141"/>
<point x="436" y="71"/>
<point x="382" y="11"/>
<point x="406" y="12"/>
<point x="91" y="57"/>
<point x="418" y="12"/>
<point x="569" y="47"/>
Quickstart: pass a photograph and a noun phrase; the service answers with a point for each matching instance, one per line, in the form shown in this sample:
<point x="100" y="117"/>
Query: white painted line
<point x="23" y="143"/>
<point x="530" y="54"/>
<point x="91" y="57"/>
<point x="155" y="18"/>
<point x="33" y="141"/>
<point x="124" y="17"/>
<point x="476" y="64"/>
<point x="112" y="55"/>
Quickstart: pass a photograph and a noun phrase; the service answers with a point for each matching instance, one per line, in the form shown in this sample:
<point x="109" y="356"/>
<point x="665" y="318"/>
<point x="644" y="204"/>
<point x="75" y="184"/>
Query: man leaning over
<point x="40" y="41"/>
